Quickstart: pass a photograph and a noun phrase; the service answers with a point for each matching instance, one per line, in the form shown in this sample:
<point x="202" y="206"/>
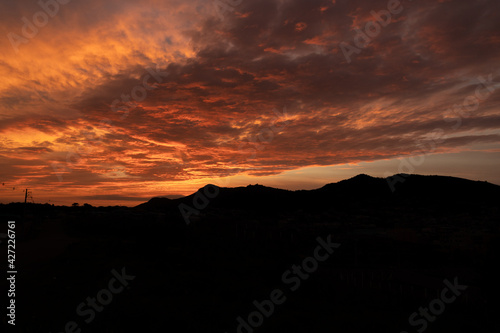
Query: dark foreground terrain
<point x="389" y="256"/>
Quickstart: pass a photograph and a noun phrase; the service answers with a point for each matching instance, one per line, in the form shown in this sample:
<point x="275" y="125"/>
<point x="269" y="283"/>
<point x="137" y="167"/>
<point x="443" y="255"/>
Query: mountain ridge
<point x="359" y="187"/>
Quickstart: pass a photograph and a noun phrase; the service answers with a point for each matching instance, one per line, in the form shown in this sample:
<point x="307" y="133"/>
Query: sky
<point x="117" y="101"/>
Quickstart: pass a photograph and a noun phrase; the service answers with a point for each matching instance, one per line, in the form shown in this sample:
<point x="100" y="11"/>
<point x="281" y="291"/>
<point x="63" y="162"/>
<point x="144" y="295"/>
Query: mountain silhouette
<point x="361" y="189"/>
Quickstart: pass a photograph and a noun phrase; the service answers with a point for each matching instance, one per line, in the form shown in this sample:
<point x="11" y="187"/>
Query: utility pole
<point x="28" y="195"/>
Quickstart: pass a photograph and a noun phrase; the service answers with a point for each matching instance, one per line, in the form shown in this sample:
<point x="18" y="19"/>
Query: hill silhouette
<point x="359" y="189"/>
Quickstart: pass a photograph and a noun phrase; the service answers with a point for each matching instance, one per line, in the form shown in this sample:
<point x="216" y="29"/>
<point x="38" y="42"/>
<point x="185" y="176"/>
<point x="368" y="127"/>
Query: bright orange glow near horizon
<point x="117" y="102"/>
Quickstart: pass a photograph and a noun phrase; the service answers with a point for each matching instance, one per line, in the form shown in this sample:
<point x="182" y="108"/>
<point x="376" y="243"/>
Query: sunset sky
<point x="117" y="101"/>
